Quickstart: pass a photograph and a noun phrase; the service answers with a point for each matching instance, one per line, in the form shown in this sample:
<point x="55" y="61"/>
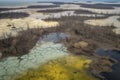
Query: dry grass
<point x="21" y="44"/>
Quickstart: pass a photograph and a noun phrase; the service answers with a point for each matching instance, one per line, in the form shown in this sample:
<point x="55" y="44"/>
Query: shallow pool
<point x="115" y="74"/>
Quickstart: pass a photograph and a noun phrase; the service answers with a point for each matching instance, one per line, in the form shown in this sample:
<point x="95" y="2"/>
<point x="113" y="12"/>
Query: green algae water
<point x="40" y="54"/>
<point x="65" y="68"/>
<point x="47" y="61"/>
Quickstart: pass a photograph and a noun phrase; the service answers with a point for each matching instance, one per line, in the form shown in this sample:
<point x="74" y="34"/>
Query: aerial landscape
<point x="59" y="40"/>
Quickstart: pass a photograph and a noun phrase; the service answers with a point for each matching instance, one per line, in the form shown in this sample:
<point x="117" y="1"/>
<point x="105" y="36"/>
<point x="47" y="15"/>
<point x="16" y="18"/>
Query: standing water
<point x="54" y="37"/>
<point x="115" y="74"/>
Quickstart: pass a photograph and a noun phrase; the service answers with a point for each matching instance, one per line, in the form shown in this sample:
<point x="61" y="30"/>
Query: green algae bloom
<point x="67" y="68"/>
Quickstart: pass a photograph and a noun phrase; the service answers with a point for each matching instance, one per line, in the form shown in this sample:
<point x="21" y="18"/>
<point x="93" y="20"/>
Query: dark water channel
<point x="115" y="74"/>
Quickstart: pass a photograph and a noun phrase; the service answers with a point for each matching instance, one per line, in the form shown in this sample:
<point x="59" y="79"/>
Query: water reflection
<point x="54" y="37"/>
<point x="114" y="75"/>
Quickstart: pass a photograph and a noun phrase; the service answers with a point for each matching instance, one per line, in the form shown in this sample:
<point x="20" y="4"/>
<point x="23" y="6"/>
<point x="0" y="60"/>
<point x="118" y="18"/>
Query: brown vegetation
<point x="13" y="15"/>
<point x="54" y="2"/>
<point x="61" y="10"/>
<point x="119" y="19"/>
<point x="52" y="10"/>
<point x="84" y="12"/>
<point x="96" y="37"/>
<point x="101" y="35"/>
<point x="6" y="9"/>
<point x="99" y="6"/>
<point x="21" y="44"/>
<point x="79" y="46"/>
<point x="101" y="64"/>
<point x="43" y="6"/>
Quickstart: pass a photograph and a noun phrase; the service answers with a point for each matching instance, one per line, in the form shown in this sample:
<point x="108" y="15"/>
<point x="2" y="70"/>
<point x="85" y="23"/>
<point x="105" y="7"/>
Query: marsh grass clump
<point x="99" y="6"/>
<point x="67" y="68"/>
<point x="52" y="10"/>
<point x="6" y="9"/>
<point x="79" y="46"/>
<point x="42" y="6"/>
<point x="84" y="12"/>
<point x="119" y="19"/>
<point x="21" y="44"/>
<point x="13" y="15"/>
<point x="102" y="64"/>
<point x="80" y="11"/>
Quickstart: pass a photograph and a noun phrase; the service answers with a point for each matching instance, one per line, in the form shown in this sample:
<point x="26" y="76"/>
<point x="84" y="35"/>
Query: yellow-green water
<point x="67" y="68"/>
